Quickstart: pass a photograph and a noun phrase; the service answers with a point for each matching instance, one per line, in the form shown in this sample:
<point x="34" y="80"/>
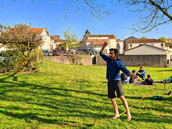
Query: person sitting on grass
<point x="141" y="73"/>
<point x="148" y="81"/>
<point x="124" y="78"/>
<point x="132" y="78"/>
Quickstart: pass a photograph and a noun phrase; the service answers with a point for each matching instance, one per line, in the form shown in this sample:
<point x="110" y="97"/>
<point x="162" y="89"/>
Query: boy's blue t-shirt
<point x="114" y="67"/>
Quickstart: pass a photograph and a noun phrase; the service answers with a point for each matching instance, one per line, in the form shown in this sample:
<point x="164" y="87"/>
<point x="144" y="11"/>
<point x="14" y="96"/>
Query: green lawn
<point x="66" y="94"/>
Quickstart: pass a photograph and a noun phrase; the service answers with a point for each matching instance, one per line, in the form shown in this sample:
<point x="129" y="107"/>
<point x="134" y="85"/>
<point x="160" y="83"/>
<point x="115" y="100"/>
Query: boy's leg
<point x="115" y="108"/>
<point x="126" y="107"/>
<point x="111" y="95"/>
<point x="121" y="95"/>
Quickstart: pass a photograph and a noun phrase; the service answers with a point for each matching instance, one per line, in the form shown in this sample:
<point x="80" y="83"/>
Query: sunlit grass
<point x="64" y="94"/>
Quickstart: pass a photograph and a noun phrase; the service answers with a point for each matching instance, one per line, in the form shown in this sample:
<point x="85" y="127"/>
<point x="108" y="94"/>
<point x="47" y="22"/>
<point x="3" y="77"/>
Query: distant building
<point x="168" y="40"/>
<point x="43" y="32"/>
<point x="145" y="49"/>
<point x="132" y="43"/>
<point x="56" y="42"/>
<point x="95" y="42"/>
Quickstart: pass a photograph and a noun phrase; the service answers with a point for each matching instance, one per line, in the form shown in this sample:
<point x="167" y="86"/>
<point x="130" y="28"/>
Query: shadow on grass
<point x="148" y="117"/>
<point x="66" y="106"/>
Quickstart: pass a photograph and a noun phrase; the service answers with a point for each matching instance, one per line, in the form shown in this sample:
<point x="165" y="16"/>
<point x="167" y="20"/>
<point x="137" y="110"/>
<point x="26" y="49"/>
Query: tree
<point x="19" y="38"/>
<point x="162" y="39"/>
<point x="70" y="44"/>
<point x="152" y="13"/>
<point x="170" y="45"/>
<point x="70" y="38"/>
<point x="143" y="38"/>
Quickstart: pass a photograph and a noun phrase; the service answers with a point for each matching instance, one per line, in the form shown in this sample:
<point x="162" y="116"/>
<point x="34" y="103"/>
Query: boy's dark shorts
<point x="115" y="86"/>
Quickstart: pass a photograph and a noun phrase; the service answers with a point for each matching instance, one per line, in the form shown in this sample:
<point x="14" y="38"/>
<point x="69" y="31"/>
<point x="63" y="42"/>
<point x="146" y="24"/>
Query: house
<point x="56" y="41"/>
<point x="168" y="40"/>
<point x="132" y="43"/>
<point x="145" y="49"/>
<point x="95" y="42"/>
<point x="43" y="32"/>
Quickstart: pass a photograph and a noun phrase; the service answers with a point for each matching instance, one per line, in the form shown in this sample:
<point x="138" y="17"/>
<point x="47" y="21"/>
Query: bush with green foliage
<point x="11" y="61"/>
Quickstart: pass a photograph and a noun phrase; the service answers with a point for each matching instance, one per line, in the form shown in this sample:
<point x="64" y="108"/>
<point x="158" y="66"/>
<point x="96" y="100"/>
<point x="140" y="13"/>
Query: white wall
<point x="146" y="50"/>
<point x="46" y="41"/>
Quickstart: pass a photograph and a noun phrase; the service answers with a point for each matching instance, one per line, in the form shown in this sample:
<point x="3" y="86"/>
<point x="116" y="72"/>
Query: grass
<point x="65" y="94"/>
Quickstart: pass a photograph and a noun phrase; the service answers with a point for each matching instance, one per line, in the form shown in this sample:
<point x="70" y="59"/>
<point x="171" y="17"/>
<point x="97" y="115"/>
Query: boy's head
<point x="148" y="76"/>
<point x="133" y="71"/>
<point x="141" y="67"/>
<point x="113" y="53"/>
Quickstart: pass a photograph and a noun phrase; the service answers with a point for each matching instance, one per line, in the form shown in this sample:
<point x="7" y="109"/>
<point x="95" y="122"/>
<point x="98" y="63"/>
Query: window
<point x="130" y="45"/>
<point x="162" y="45"/>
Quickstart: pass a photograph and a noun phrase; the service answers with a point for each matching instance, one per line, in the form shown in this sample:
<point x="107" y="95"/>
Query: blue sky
<point x="52" y="14"/>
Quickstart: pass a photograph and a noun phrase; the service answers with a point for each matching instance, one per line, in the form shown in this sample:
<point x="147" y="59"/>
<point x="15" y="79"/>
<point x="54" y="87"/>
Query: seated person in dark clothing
<point x="133" y="79"/>
<point x="124" y="78"/>
<point x="141" y="73"/>
<point x="148" y="81"/>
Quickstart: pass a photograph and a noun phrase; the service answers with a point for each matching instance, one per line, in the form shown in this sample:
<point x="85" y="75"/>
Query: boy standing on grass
<point x="114" y="65"/>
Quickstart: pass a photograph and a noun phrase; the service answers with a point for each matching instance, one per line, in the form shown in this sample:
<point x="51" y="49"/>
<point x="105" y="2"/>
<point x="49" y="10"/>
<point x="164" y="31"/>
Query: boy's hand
<point x="105" y="44"/>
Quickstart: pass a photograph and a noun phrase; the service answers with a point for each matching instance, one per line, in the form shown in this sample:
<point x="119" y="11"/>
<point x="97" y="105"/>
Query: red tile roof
<point x="37" y="30"/>
<point x="97" y="41"/>
<point x="169" y="40"/>
<point x="56" y="38"/>
<point x="144" y="41"/>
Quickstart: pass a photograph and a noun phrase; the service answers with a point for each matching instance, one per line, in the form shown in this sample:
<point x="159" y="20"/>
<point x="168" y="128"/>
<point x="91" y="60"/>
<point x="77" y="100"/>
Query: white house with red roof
<point x="43" y="32"/>
<point x="95" y="42"/>
<point x="56" y="41"/>
<point x="132" y="43"/>
<point x="146" y="49"/>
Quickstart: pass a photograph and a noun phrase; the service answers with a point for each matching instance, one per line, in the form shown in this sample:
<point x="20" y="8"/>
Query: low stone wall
<point x="128" y="60"/>
<point x="85" y="60"/>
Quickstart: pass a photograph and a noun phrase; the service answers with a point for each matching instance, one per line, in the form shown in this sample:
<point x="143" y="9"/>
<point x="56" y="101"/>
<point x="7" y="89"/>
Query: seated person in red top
<point x="148" y="81"/>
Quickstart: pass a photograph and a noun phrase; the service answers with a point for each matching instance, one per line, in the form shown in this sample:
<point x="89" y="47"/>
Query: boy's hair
<point x="115" y="50"/>
<point x="133" y="71"/>
<point x="148" y="76"/>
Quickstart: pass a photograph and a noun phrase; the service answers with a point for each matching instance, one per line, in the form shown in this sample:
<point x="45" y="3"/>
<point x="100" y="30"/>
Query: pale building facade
<point x="132" y="43"/>
<point x="95" y="42"/>
<point x="146" y="49"/>
<point x="46" y="42"/>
